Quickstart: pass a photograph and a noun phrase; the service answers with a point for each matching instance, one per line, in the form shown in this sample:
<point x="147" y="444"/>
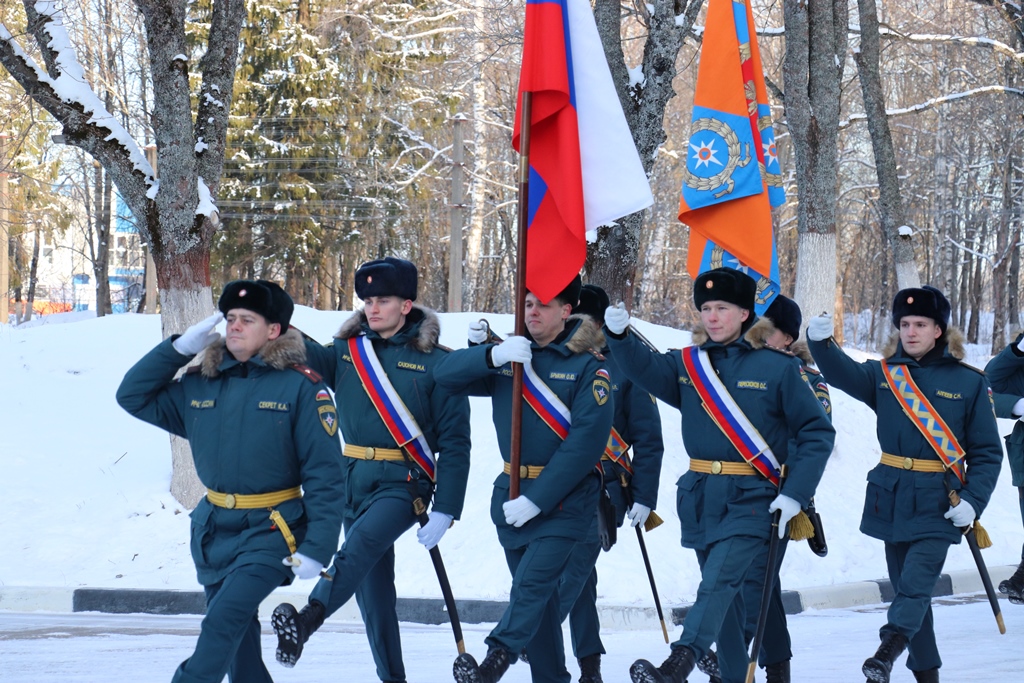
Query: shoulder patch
<point x="310" y="374"/>
<point x="601" y="372"/>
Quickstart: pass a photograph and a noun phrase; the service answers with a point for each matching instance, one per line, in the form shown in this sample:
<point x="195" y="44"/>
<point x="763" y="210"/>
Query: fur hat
<point x="927" y="302"/>
<point x="725" y="284"/>
<point x="593" y="302"/>
<point x="785" y="315"/>
<point x="571" y="294"/>
<point x="259" y="296"/>
<point x="389" y="276"/>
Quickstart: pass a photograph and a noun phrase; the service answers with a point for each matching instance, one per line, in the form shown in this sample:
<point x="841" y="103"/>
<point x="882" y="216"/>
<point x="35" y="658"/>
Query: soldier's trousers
<point x="718" y="612"/>
<point x="577" y="600"/>
<point x="1020" y="498"/>
<point x="229" y="638"/>
<point x="776" y="646"/>
<point x="532" y="617"/>
<point x="914" y="569"/>
<point x="365" y="567"/>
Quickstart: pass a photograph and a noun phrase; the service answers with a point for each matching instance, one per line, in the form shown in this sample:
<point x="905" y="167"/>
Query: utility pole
<point x="150" y="283"/>
<point x="458" y="207"/>
<point x="5" y="235"/>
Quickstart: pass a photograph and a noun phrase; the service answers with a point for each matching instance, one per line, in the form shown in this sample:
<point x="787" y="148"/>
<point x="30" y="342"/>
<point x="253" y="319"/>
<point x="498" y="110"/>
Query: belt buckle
<point x="524" y="472"/>
<point x="369" y="453"/>
<point x="229" y="501"/>
<point x="716" y="467"/>
<point x="908" y="463"/>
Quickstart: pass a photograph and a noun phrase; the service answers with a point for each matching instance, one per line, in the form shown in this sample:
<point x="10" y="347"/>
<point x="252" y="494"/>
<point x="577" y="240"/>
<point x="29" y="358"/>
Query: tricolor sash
<point x="616" y="450"/>
<point x="927" y="420"/>
<point x="726" y="414"/>
<point x="397" y="418"/>
<point x="545" y="402"/>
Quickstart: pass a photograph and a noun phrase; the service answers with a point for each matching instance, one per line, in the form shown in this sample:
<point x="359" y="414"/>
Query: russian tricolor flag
<point x="584" y="168"/>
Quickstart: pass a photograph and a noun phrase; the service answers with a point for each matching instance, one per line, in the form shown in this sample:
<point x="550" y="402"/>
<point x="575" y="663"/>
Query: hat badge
<point x="709" y="284"/>
<point x="242" y="292"/>
<point x="910" y="299"/>
<point x="369" y="279"/>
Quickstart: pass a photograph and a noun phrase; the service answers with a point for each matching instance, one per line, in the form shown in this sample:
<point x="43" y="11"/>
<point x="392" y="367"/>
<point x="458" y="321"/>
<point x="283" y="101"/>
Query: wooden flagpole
<point x="520" y="313"/>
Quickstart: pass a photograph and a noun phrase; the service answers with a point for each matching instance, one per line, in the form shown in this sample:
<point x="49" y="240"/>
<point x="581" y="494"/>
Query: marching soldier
<point x="938" y="434"/>
<point x="1006" y="373"/>
<point x="568" y="417"/>
<point x="263" y="432"/>
<point x="632" y="486"/>
<point x="394" y="418"/>
<point x="759" y="401"/>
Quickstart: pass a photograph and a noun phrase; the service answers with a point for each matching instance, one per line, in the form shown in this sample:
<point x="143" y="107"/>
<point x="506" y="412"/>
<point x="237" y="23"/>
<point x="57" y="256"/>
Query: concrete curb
<point x="432" y="610"/>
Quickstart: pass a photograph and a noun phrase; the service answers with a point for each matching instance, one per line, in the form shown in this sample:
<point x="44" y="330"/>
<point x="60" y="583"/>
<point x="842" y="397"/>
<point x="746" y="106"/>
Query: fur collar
<point x="425" y="339"/>
<point x="954" y="339"/>
<point x="280" y="353"/>
<point x="586" y="337"/>
<point x="758" y="335"/>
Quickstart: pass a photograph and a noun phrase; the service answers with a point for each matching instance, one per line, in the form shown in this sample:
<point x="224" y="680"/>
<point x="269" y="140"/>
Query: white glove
<point x="199" y="336"/>
<point x="616" y="318"/>
<point x="820" y="327"/>
<point x="304" y="567"/>
<point x="962" y="515"/>
<point x="788" y="509"/>
<point x="514" y="349"/>
<point x="638" y="514"/>
<point x="430" y="533"/>
<point x="519" y="511"/>
<point x="1018" y="409"/>
<point x="478" y="332"/>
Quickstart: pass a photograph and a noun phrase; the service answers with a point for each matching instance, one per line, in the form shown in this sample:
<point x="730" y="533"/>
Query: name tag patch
<point x="273" y="405"/>
<point x="203" y="404"/>
<point x="415" y="367"/>
<point x="564" y="376"/>
<point x="950" y="395"/>
<point x="752" y="384"/>
<point x="686" y="381"/>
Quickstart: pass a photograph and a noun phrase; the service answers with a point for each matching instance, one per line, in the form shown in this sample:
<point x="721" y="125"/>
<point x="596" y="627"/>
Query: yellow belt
<point x="913" y="464"/>
<point x="371" y="453"/>
<point x="245" y="501"/>
<point x="721" y="467"/>
<point x="526" y="471"/>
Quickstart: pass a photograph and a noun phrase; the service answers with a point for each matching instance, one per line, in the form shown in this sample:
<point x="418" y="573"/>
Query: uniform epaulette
<point x="971" y="367"/>
<point x="311" y="374"/>
<point x="784" y="352"/>
<point x="596" y="354"/>
<point x="813" y="371"/>
<point x="444" y="348"/>
<point x="193" y="369"/>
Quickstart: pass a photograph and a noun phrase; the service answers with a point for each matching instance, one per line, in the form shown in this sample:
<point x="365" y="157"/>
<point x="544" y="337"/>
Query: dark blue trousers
<point x="718" y="612"/>
<point x="532" y="619"/>
<point x="577" y="598"/>
<point x="365" y="567"/>
<point x="229" y="638"/>
<point x="914" y="569"/>
<point x="776" y="646"/>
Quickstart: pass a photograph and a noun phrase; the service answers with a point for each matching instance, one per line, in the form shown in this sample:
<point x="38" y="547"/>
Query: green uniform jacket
<point x="409" y="358"/>
<point x="254" y="427"/>
<point x="566" y="490"/>
<point x="767" y="386"/>
<point x="1006" y="373"/>
<point x="638" y="421"/>
<point x="903" y="505"/>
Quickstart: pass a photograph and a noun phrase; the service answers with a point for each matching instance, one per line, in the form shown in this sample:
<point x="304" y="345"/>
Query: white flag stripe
<point x="614" y="182"/>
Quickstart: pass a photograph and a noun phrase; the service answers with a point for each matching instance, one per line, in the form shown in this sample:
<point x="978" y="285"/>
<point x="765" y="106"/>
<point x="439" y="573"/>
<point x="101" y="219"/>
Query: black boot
<point x="778" y="672"/>
<point x="590" y="668"/>
<point x="494" y="666"/>
<point x="675" y="669"/>
<point x="878" y="668"/>
<point x="1014" y="586"/>
<point x="929" y="676"/>
<point x="708" y="665"/>
<point x="293" y="629"/>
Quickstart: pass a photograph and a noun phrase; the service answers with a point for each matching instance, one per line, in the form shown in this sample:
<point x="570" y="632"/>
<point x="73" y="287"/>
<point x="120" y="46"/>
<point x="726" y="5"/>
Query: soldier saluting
<point x="394" y="419"/>
<point x="263" y="432"/>
<point x="726" y="498"/>
<point x="938" y="433"/>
